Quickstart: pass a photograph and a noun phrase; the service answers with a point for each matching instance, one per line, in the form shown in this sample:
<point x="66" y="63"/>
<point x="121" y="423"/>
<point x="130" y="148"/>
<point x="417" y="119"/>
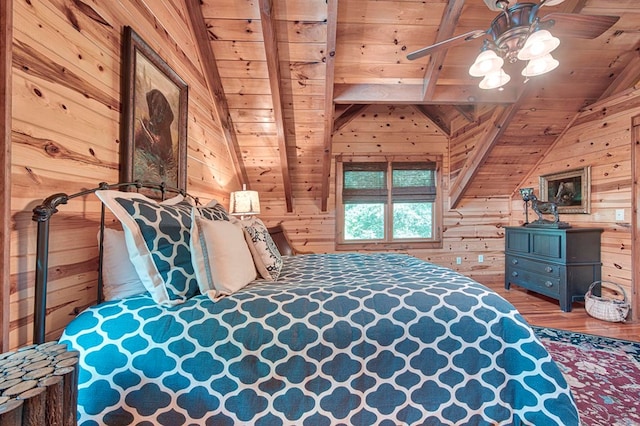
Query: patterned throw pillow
<point x="264" y="251"/>
<point x="213" y="211"/>
<point x="220" y="255"/>
<point x="157" y="237"/>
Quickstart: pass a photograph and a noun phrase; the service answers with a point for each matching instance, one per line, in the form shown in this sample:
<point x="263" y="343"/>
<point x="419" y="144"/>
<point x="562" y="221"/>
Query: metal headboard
<point x="43" y="212"/>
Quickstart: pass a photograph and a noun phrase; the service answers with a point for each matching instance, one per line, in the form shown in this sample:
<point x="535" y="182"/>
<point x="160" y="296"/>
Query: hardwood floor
<point x="545" y="312"/>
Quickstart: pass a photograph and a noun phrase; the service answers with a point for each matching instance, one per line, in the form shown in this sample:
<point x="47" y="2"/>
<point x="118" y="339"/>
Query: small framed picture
<point x="570" y="190"/>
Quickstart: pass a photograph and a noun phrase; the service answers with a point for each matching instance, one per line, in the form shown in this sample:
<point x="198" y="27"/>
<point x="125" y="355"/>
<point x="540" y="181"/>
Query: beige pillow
<point x="119" y="276"/>
<point x="220" y="255"/>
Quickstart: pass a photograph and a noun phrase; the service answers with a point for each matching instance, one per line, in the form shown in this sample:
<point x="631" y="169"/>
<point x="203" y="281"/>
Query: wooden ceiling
<point x="286" y="75"/>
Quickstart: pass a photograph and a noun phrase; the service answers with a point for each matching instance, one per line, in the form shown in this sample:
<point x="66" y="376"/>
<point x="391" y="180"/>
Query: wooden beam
<point x="214" y="84"/>
<point x="467" y="111"/>
<point x="346" y="115"/>
<point x="434" y="115"/>
<point x="6" y="41"/>
<point x="448" y="24"/>
<point x="332" y="24"/>
<point x="500" y="120"/>
<point x="273" y="66"/>
<point x="404" y="94"/>
<point x="635" y="219"/>
<point x="629" y="77"/>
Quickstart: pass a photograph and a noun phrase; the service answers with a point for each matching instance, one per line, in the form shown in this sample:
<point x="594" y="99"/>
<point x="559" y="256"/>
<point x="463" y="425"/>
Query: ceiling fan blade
<point x="579" y="26"/>
<point x="445" y="44"/>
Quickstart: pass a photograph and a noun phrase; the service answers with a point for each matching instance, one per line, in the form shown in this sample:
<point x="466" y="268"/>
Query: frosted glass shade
<point x="538" y="44"/>
<point x="244" y="203"/>
<point x="540" y="66"/>
<point x="495" y="80"/>
<point x="487" y="62"/>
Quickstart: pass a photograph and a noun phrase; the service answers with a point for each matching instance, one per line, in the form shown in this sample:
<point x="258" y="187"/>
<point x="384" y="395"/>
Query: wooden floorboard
<point x="545" y="312"/>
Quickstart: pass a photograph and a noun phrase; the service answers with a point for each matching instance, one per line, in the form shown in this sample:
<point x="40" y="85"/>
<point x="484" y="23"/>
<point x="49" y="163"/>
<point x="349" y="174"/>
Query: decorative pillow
<point x="119" y="276"/>
<point x="213" y="211"/>
<point x="221" y="258"/>
<point x="157" y="237"/>
<point x="264" y="251"/>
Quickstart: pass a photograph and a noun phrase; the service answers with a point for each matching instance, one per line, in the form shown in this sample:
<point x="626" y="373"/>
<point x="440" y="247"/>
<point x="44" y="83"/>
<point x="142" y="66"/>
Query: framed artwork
<point x="154" y="117"/>
<point x="570" y="190"/>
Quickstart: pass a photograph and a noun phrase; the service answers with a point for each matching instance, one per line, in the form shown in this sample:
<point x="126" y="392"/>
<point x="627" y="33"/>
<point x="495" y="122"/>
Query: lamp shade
<point x="486" y="62"/>
<point x="244" y="202"/>
<point x="495" y="80"/>
<point x="537" y="45"/>
<point x="540" y="66"/>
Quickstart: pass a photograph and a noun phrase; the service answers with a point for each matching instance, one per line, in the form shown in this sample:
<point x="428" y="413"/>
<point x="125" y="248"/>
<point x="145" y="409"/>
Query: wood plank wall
<point x="601" y="137"/>
<point x="475" y="227"/>
<point x="65" y="135"/>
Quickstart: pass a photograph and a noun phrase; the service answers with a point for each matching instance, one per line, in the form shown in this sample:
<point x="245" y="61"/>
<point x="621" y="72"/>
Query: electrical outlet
<point x="619" y="214"/>
<point x="480" y="258"/>
<point x="458" y="260"/>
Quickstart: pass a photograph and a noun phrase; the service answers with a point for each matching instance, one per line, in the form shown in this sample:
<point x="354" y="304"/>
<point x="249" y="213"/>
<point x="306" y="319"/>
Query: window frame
<point x="387" y="243"/>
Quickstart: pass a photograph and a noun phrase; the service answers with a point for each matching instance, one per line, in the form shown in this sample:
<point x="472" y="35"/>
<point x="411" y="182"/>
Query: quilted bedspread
<point x="346" y="338"/>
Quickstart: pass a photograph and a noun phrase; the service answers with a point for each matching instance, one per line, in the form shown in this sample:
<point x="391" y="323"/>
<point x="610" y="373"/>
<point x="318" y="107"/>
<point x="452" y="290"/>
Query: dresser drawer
<point x="542" y="268"/>
<point x="534" y="282"/>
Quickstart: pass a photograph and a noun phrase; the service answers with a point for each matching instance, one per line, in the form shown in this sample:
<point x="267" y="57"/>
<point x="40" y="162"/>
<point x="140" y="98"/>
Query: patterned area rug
<point x="604" y="375"/>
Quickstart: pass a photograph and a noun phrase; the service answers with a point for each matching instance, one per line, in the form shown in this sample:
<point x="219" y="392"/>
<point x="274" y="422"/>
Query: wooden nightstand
<point x="559" y="263"/>
<point x="38" y="385"/>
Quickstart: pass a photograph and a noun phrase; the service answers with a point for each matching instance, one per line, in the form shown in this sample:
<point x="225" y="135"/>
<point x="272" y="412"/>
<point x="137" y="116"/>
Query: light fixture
<point x="526" y="197"/>
<point x="244" y="203"/>
<point x="516" y="35"/>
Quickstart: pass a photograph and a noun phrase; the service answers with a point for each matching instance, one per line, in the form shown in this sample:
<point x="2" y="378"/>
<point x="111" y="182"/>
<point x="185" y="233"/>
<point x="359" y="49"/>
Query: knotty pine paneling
<point x="474" y="228"/>
<point x="65" y="135"/>
<point x="600" y="138"/>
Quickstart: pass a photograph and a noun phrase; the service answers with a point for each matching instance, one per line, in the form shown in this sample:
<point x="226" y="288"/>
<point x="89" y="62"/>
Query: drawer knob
<point x="548" y="269"/>
<point x="514" y="274"/>
<point x="548" y="284"/>
<point x="514" y="261"/>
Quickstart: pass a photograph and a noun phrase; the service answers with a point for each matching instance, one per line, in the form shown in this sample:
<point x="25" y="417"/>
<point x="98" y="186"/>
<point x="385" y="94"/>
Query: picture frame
<point x="570" y="190"/>
<point x="154" y="117"/>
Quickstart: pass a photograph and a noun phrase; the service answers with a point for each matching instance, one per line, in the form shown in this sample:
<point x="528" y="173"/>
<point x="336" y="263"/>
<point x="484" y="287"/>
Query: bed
<point x="342" y="338"/>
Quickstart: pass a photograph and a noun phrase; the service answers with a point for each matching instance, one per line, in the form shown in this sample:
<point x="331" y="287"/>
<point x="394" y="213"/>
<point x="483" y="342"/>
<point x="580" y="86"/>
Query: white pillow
<point x="119" y="276"/>
<point x="265" y="252"/>
<point x="220" y="255"/>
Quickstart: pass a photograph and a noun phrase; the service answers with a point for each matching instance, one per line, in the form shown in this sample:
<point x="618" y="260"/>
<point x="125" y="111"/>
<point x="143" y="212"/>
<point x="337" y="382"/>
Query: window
<point x="387" y="203"/>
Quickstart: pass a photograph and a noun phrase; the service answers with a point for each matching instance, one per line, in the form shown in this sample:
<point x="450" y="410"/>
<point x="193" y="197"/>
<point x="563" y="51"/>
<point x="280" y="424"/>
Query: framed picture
<point x="154" y="117"/>
<point x="570" y="190"/>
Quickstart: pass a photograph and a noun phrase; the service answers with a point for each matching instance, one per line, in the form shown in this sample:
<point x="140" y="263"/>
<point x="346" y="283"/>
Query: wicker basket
<point x="604" y="308"/>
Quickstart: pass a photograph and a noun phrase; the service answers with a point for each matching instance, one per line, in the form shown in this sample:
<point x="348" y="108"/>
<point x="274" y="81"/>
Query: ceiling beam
<point x="6" y="221"/>
<point x="412" y="94"/>
<point x="332" y="25"/>
<point x="499" y="122"/>
<point x="346" y="115"/>
<point x="448" y="24"/>
<point x="436" y="116"/>
<point x="268" y="21"/>
<point x="214" y="84"/>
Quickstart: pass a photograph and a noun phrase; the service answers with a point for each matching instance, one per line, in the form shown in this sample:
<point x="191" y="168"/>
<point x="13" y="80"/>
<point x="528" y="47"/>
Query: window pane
<point x="412" y="220"/>
<point x="364" y="221"/>
<point x="364" y="180"/>
<point x="408" y="178"/>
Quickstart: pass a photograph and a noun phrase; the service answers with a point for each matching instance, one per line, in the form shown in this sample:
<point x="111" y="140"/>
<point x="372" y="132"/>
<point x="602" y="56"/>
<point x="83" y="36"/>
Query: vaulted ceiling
<point x="286" y="75"/>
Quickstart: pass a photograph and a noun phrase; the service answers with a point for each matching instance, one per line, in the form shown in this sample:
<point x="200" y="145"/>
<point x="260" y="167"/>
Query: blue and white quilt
<point x="363" y="339"/>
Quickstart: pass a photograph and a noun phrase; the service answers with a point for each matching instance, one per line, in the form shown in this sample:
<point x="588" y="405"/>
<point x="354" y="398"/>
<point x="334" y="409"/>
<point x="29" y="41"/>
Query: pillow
<point x="213" y="211"/>
<point x="264" y="251"/>
<point x="157" y="238"/>
<point x="119" y="276"/>
<point x="221" y="258"/>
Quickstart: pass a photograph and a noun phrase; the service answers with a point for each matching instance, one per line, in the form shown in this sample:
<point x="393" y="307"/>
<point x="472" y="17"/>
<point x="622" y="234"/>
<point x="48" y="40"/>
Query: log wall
<point x="65" y="135"/>
<point x="600" y="137"/>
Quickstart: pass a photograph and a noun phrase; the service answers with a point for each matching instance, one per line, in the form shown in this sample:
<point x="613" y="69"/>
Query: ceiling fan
<point x="511" y="28"/>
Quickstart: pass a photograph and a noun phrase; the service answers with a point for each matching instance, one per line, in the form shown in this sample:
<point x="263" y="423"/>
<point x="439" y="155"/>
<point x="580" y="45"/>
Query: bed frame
<point x="43" y="213"/>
